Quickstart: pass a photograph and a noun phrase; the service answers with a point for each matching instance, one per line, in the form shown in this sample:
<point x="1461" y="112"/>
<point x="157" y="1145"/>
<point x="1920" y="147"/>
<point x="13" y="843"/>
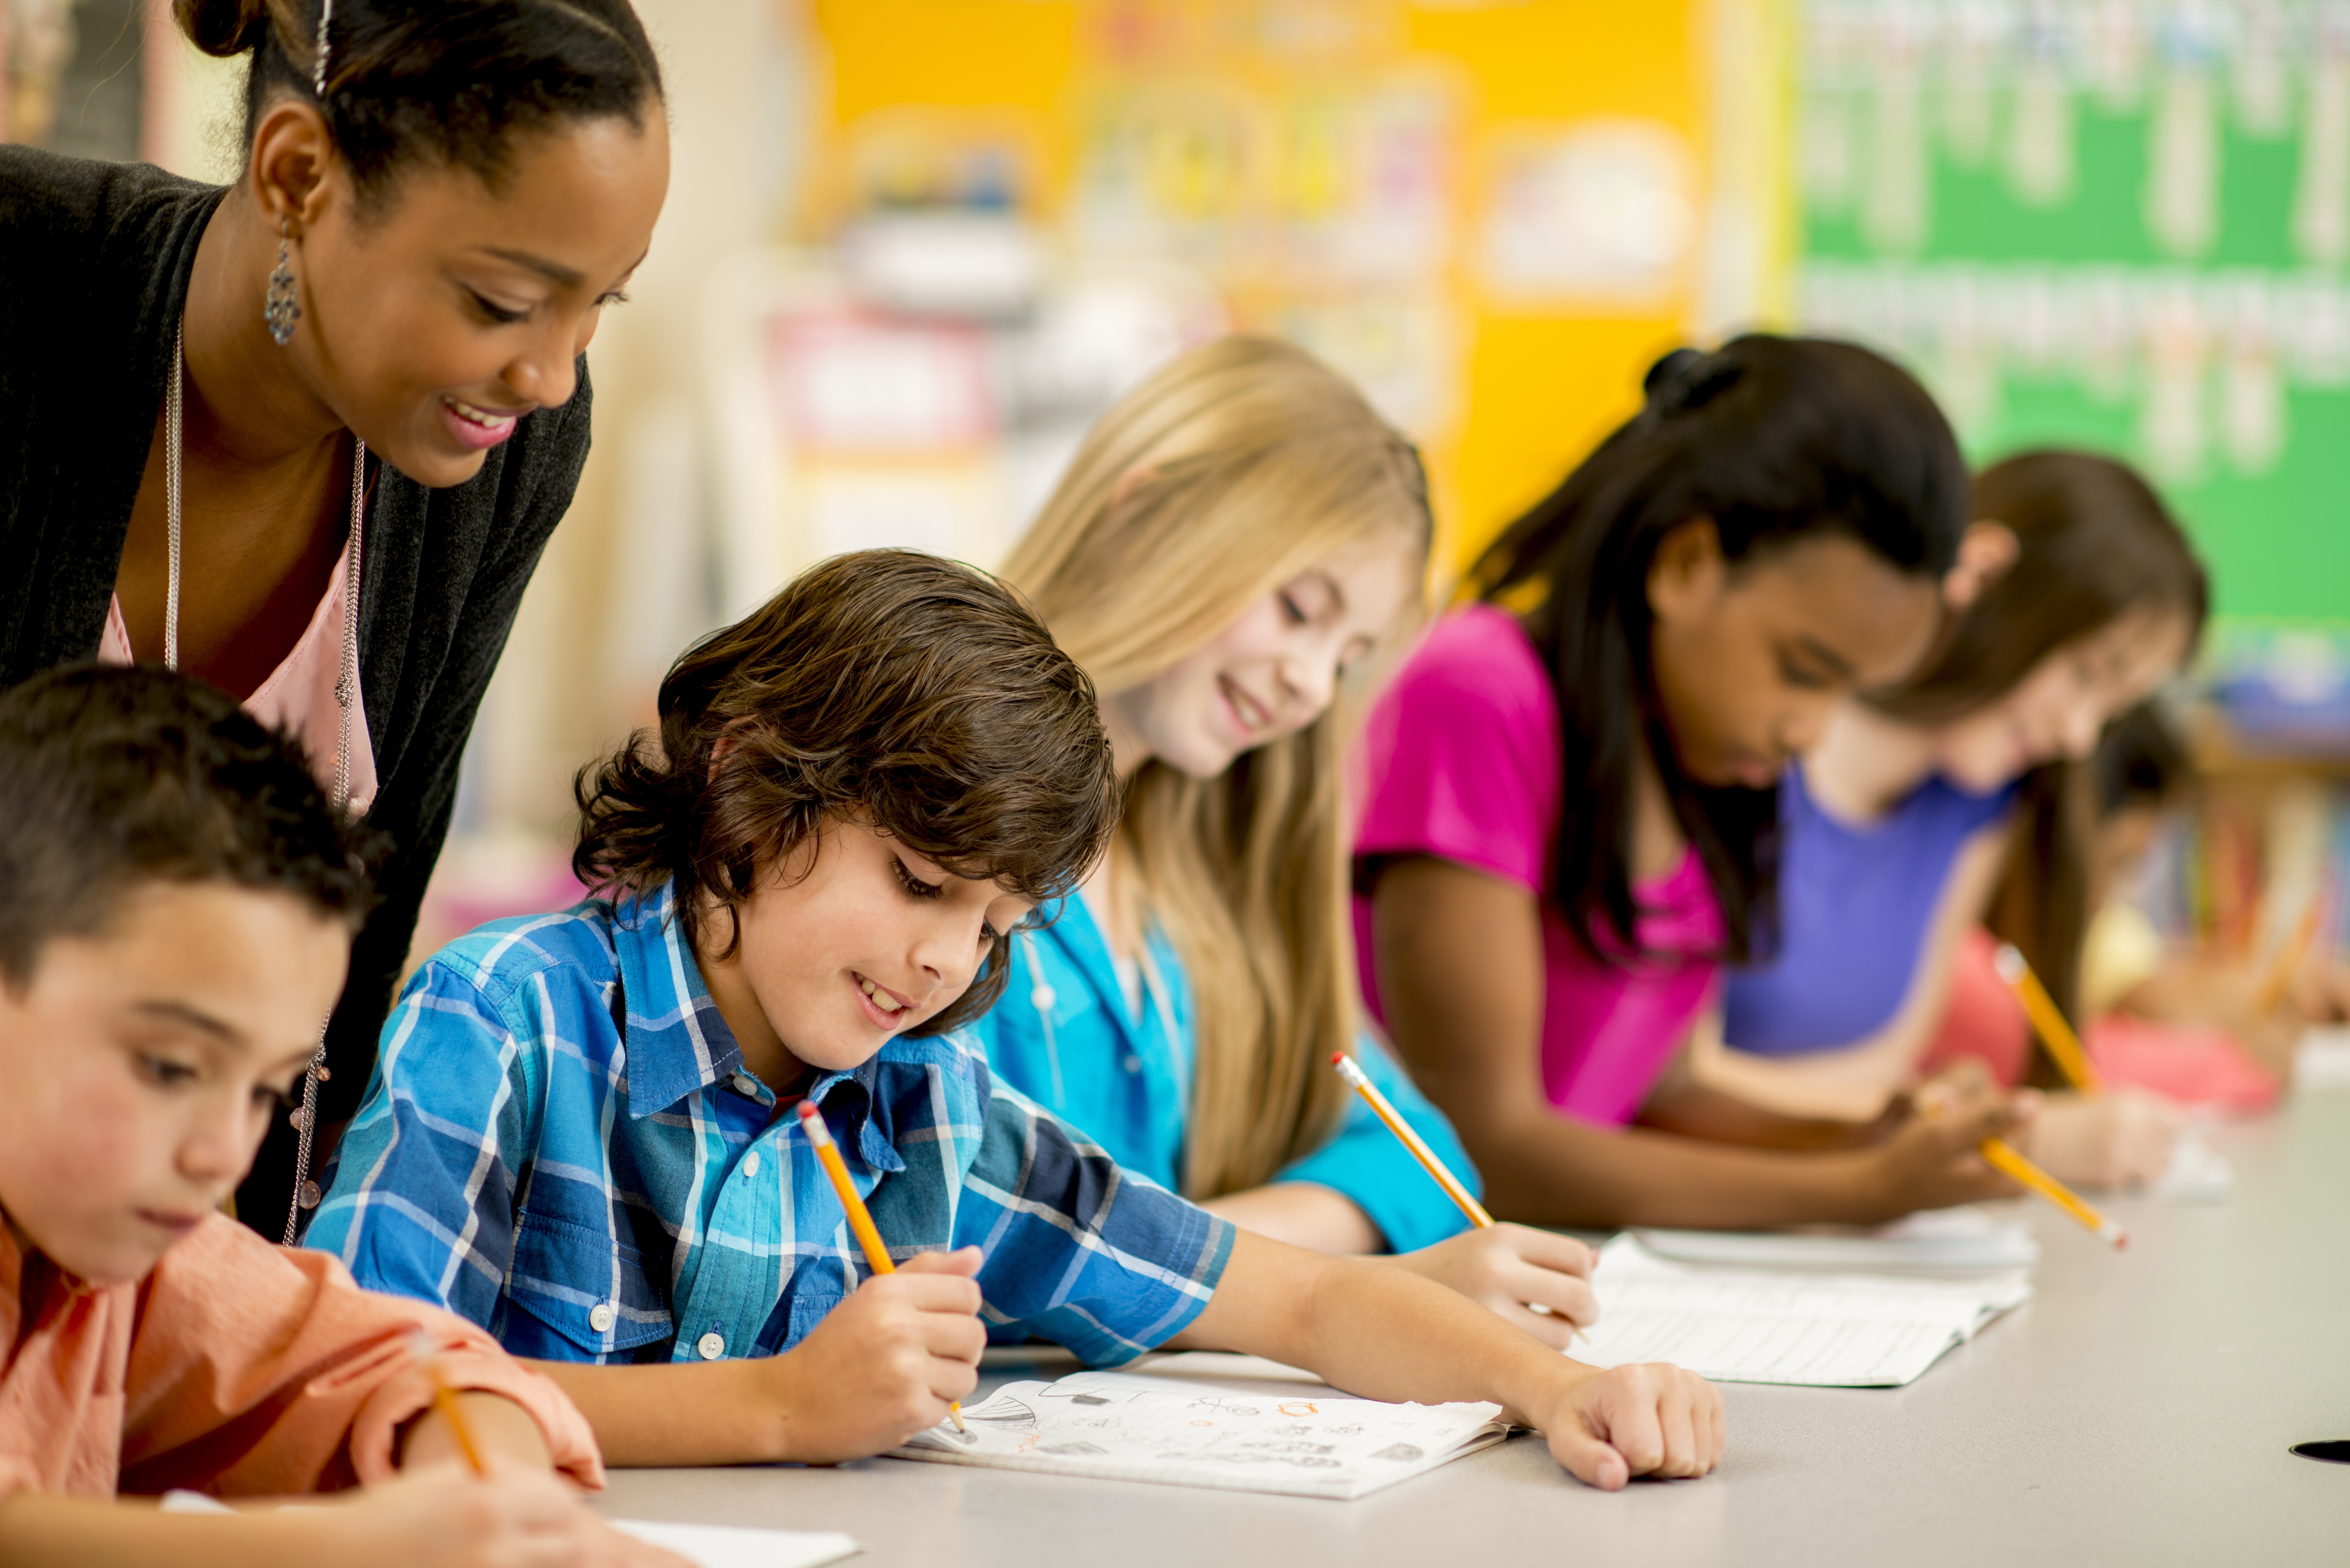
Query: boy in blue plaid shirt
<point x="576" y="1133"/>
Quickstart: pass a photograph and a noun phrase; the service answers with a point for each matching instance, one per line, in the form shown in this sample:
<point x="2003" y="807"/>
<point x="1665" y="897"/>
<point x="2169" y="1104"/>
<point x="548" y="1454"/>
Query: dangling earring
<point x="278" y="311"/>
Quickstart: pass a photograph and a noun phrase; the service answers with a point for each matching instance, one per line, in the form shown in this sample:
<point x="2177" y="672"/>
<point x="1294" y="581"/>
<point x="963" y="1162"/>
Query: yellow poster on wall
<point x="1493" y="215"/>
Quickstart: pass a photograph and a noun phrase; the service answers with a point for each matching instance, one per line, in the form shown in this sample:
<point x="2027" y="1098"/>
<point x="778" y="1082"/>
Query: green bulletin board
<point x="2115" y="225"/>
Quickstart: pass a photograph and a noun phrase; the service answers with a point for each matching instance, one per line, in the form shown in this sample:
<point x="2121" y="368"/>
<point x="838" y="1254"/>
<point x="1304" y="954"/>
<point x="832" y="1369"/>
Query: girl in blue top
<point x="1961" y="797"/>
<point x="1233" y="549"/>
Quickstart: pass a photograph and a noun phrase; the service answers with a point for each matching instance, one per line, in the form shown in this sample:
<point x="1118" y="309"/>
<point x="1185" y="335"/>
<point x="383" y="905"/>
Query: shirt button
<point x="712" y="1347"/>
<point x="746" y="1084"/>
<point x="1132" y="1063"/>
<point x="600" y="1317"/>
<point x="751" y="1163"/>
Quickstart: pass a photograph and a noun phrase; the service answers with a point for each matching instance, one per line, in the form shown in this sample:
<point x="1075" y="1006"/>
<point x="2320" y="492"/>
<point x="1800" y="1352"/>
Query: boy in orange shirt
<point x="177" y="902"/>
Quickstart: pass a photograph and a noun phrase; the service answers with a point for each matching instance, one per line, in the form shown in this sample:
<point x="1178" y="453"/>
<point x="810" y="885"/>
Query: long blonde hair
<point x="1238" y="466"/>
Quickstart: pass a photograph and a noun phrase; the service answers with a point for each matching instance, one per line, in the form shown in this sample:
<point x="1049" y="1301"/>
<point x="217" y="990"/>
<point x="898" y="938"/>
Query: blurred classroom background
<point x="913" y="247"/>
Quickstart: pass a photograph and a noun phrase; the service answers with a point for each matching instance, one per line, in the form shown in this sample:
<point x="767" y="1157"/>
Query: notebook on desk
<point x="1805" y="1328"/>
<point x="1208" y="1419"/>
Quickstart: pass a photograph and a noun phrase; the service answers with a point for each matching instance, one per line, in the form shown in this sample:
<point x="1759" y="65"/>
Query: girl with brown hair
<point x="1964" y="796"/>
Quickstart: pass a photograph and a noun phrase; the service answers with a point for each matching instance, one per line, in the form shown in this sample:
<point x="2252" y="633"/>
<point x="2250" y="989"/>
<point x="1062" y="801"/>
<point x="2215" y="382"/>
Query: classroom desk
<point x="2138" y="1411"/>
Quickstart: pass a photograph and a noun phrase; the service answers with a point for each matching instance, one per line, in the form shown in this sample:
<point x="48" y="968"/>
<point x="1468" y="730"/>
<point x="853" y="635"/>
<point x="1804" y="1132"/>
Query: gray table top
<point x="2138" y="1411"/>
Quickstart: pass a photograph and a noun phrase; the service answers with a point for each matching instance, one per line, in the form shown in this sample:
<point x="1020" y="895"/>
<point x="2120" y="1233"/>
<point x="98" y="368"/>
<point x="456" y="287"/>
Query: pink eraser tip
<point x="2114" y="1234"/>
<point x="809" y="1110"/>
<point x="1337" y="1057"/>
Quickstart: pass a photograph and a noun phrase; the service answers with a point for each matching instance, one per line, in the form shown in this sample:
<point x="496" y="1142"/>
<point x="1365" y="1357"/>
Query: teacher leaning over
<point x="305" y="437"/>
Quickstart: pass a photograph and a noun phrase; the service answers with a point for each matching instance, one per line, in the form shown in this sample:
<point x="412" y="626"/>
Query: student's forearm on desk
<point x="679" y="1413"/>
<point x="1378" y="1332"/>
<point x="87" y="1533"/>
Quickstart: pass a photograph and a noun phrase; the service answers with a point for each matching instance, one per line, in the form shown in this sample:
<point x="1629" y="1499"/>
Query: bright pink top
<point x="1461" y="761"/>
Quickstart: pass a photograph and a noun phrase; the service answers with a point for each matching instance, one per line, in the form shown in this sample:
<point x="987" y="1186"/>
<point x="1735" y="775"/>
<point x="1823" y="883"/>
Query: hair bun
<point x="224" y="28"/>
<point x="1689" y="378"/>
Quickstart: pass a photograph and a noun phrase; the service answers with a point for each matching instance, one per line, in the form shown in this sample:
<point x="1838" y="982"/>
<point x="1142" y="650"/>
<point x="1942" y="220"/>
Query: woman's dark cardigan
<point x="94" y="265"/>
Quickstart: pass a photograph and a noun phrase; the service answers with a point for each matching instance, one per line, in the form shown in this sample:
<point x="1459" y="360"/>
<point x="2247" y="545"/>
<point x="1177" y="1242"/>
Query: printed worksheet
<point x="1211" y="1420"/>
<point x="1748" y="1325"/>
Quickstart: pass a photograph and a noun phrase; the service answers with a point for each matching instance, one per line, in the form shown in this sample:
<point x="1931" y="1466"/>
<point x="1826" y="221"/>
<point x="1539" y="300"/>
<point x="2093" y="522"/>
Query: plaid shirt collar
<point x="678" y="1041"/>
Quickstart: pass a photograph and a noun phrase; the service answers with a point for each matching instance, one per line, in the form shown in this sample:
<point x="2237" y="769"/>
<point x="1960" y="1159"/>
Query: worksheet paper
<point x="1966" y="1240"/>
<point x="1208" y="1419"/>
<point x="1747" y="1325"/>
<point x="705" y="1545"/>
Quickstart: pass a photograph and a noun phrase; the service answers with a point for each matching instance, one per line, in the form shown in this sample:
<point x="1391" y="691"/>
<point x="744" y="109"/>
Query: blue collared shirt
<point x="1064" y="1033"/>
<point x="561" y="1144"/>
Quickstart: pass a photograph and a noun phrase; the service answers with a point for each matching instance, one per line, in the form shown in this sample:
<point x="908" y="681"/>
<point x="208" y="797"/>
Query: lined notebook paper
<point x="1208" y="1419"/>
<point x="1751" y="1325"/>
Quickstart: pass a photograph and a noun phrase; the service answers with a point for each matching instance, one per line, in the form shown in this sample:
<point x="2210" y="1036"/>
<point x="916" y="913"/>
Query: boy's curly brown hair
<point x="917" y="695"/>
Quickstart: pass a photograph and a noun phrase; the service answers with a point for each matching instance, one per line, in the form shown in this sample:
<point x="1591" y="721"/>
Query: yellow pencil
<point x="2279" y="979"/>
<point x="860" y="1218"/>
<point x="2003" y="1156"/>
<point x="1411" y="1141"/>
<point x="1462" y="1197"/>
<point x="444" y="1399"/>
<point x="2047" y="1020"/>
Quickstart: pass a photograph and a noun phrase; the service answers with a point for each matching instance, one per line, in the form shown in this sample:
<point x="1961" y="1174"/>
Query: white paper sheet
<point x="2198" y="1173"/>
<point x="709" y="1545"/>
<point x="726" y="1546"/>
<point x="1966" y="1240"/>
<point x="1746" y="1326"/>
<point x="1208" y="1420"/>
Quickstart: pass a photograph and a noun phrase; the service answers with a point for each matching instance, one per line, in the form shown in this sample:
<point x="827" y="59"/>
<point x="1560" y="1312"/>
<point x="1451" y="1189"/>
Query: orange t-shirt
<point x="234" y="1368"/>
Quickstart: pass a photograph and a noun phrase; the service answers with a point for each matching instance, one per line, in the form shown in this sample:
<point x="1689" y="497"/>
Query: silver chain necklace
<point x="346" y="693"/>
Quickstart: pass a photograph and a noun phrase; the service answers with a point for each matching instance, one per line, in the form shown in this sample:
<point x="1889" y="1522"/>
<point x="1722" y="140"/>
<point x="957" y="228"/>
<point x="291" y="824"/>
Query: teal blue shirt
<point x="1061" y="1035"/>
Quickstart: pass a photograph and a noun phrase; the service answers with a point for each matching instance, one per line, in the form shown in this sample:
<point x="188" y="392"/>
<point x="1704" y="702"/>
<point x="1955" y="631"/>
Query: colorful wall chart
<point x="1492" y="213"/>
<point x="2124" y="224"/>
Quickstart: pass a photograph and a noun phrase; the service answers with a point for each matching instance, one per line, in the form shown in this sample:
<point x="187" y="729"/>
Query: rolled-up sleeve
<point x="257" y="1370"/>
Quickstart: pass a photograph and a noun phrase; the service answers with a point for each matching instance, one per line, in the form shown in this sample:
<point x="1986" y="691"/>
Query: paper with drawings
<point x="1747" y="1325"/>
<point x="1211" y="1420"/>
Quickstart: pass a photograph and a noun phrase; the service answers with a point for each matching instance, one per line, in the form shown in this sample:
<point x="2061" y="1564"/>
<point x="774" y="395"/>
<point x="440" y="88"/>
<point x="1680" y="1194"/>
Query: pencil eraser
<point x="808" y="1111"/>
<point x="1337" y="1057"/>
<point x="2114" y="1234"/>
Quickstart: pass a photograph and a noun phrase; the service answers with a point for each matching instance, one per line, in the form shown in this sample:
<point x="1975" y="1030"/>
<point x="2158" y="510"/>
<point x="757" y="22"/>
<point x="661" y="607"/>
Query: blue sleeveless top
<point x="1855" y="905"/>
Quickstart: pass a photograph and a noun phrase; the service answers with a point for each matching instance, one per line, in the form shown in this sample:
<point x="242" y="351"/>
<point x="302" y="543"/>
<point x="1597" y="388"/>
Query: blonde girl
<point x="1235" y="552"/>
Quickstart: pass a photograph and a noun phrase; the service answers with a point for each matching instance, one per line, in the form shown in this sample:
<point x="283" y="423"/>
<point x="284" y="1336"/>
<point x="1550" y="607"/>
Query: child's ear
<point x="1986" y="552"/>
<point x="1685" y="575"/>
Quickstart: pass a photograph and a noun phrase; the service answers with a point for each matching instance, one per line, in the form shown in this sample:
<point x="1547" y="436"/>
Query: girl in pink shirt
<point x="1572" y="794"/>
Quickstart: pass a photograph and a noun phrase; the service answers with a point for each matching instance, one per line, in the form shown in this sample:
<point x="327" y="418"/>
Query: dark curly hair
<point x="454" y="82"/>
<point x="917" y="695"/>
<point x="114" y="778"/>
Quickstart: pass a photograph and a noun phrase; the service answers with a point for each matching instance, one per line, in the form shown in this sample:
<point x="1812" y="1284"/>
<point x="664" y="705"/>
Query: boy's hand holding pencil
<point x="896" y="1356"/>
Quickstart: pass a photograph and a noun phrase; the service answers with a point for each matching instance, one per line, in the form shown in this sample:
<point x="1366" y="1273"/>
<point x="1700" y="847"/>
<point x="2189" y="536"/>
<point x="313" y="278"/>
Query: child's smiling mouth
<point x="883" y="1007"/>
